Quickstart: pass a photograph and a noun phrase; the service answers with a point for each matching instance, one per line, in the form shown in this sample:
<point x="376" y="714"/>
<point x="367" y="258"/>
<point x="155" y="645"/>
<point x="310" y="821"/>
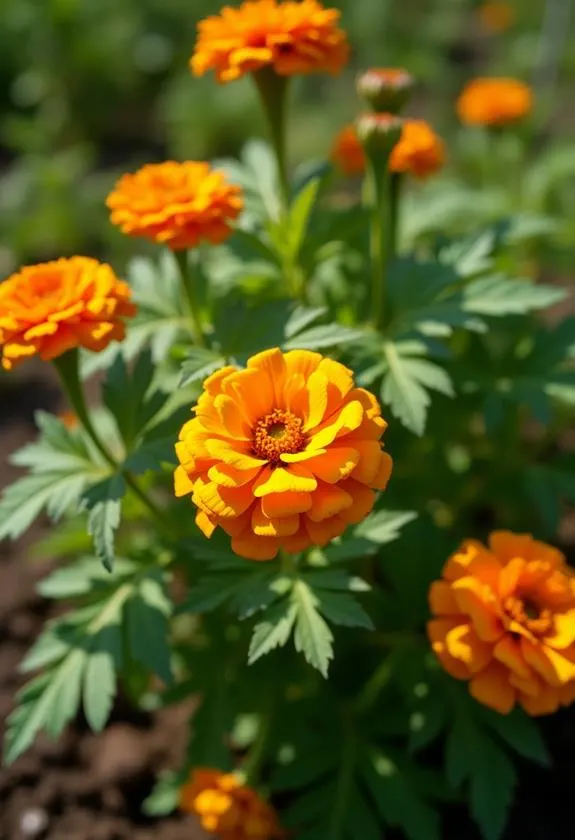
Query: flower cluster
<point x="176" y="204"/>
<point x="284" y="454"/>
<point x="228" y="808"/>
<point x="291" y="37"/>
<point x="53" y="307"/>
<point x="505" y="621"/>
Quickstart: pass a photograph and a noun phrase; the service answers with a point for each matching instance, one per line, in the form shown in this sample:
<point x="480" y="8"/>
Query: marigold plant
<point x="229" y="532"/>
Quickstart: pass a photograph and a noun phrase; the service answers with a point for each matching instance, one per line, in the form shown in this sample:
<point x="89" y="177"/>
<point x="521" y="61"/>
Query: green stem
<point x="256" y="756"/>
<point x="189" y="291"/>
<point x="376" y="192"/>
<point x="344" y="780"/>
<point x="375" y="685"/>
<point x="395" y="185"/>
<point x="272" y="89"/>
<point x="67" y="367"/>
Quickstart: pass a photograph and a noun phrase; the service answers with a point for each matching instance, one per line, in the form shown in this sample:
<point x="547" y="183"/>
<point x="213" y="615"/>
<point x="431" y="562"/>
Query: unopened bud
<point x="385" y="89"/>
<point x="378" y="133"/>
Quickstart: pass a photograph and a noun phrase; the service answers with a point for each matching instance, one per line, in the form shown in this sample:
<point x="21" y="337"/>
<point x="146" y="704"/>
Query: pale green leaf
<point x="273" y="631"/>
<point x="312" y="636"/>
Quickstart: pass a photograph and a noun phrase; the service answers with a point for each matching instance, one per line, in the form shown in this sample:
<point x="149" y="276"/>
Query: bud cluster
<point x="386" y="91"/>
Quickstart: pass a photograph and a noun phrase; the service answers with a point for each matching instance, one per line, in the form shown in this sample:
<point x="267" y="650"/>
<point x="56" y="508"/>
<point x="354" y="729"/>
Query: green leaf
<point x="406" y="385"/>
<point x="164" y="798"/>
<point x="128" y="395"/>
<point x="312" y="636"/>
<point x="342" y="609"/>
<point x="548" y="487"/>
<point x="299" y="217"/>
<point x="99" y="687"/>
<point x="326" y="335"/>
<point x="274" y="631"/>
<point x="519" y="732"/>
<point x="471" y="255"/>
<point x="200" y="363"/>
<point x="147" y="612"/>
<point x="103" y="500"/>
<point x="497" y="296"/>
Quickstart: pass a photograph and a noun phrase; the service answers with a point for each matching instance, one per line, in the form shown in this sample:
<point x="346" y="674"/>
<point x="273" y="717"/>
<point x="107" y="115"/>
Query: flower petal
<point x="492" y="688"/>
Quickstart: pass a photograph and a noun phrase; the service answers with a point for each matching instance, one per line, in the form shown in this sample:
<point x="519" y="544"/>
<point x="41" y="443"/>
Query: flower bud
<point x="379" y="133"/>
<point x="385" y="89"/>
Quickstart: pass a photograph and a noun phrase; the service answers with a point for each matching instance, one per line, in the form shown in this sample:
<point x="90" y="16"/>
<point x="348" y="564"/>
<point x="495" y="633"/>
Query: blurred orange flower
<point x="347" y="152"/>
<point x="175" y="204"/>
<point x="227" y="808"/>
<point x="494" y="102"/>
<point x="69" y="419"/>
<point x="292" y="37"/>
<point x="284" y="454"/>
<point x="53" y="307"/>
<point x="505" y="621"/>
<point x="419" y="151"/>
<point x="496" y="16"/>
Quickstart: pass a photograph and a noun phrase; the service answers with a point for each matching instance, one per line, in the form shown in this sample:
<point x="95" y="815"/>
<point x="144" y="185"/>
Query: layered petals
<point x="53" y="307"/>
<point x="228" y="809"/>
<point x="504" y="619"/>
<point x="175" y="204"/>
<point x="285" y="454"/>
<point x="494" y="102"/>
<point x="290" y="37"/>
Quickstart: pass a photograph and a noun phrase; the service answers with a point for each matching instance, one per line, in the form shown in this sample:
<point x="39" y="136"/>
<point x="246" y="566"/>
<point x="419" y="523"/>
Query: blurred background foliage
<point x="93" y="88"/>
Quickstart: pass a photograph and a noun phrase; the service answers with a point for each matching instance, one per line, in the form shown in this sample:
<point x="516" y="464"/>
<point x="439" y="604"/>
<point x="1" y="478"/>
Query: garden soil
<point x="91" y="787"/>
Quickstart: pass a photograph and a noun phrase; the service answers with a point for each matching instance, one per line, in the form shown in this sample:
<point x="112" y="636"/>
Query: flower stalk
<point x="182" y="259"/>
<point x="273" y="90"/>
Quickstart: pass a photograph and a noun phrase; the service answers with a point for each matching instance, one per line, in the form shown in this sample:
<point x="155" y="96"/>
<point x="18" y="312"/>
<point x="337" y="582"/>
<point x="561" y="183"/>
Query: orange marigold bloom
<point x="69" y="419"/>
<point x="228" y="808"/>
<point x="347" y="152"/>
<point x="494" y="102"/>
<point x="496" y="16"/>
<point x="291" y="37"/>
<point x="505" y="621"/>
<point x="420" y="151"/>
<point x="284" y="454"/>
<point x="175" y="204"/>
<point x="53" y="307"/>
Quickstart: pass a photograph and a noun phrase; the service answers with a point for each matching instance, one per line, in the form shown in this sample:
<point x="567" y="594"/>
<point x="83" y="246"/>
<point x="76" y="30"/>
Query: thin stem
<point x="344" y="779"/>
<point x="272" y="89"/>
<point x="190" y="293"/>
<point x="395" y="185"/>
<point x="253" y="763"/>
<point x="376" y="191"/>
<point x="375" y="685"/>
<point x="67" y="367"/>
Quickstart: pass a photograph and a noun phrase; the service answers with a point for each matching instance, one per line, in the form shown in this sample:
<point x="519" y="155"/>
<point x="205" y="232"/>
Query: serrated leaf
<point x="406" y="385"/>
<point x="384" y="526"/>
<point x="343" y="609"/>
<point x="299" y="217"/>
<point x="200" y="363"/>
<point x="497" y="296"/>
<point x="103" y="500"/>
<point x="302" y="317"/>
<point x="312" y="636"/>
<point x="326" y="335"/>
<point x="274" y="631"/>
<point x="147" y="612"/>
<point x="99" y="688"/>
<point x="519" y="732"/>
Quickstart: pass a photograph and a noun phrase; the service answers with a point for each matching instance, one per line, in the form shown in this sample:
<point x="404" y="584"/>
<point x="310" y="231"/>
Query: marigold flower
<point x="505" y="621"/>
<point x="227" y="808"/>
<point x="494" y="102"/>
<point x="496" y="16"/>
<point x="175" y="204"/>
<point x="53" y="307"/>
<point x="347" y="152"/>
<point x="419" y="150"/>
<point x="291" y="37"/>
<point x="284" y="454"/>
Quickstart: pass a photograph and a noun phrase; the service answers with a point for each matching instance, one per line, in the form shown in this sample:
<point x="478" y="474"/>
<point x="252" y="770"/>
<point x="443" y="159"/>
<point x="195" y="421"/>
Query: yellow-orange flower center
<point x="526" y="612"/>
<point x="277" y="433"/>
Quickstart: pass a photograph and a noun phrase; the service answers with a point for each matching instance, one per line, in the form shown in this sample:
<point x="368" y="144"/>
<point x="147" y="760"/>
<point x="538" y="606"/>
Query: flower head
<point x="505" y="621"/>
<point x="284" y="454"/>
<point x="385" y="88"/>
<point x="291" y="37"/>
<point x="53" y="307"/>
<point x="496" y="16"/>
<point x="419" y="151"/>
<point x="227" y="808"/>
<point x="347" y="153"/>
<point x="175" y="204"/>
<point x="379" y="134"/>
<point x="494" y="102"/>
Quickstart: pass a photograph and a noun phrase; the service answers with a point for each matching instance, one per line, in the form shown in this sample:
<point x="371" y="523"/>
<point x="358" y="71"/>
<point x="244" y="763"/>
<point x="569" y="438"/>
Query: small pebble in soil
<point x="33" y="822"/>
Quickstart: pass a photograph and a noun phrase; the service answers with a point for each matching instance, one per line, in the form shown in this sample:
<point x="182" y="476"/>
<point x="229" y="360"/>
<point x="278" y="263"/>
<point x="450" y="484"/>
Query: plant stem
<point x="395" y="185"/>
<point x="272" y="89"/>
<point x="344" y="779"/>
<point x="375" y="685"/>
<point x="189" y="291"/>
<point x="67" y="367"/>
<point x="376" y="192"/>
<point x="253" y="763"/>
